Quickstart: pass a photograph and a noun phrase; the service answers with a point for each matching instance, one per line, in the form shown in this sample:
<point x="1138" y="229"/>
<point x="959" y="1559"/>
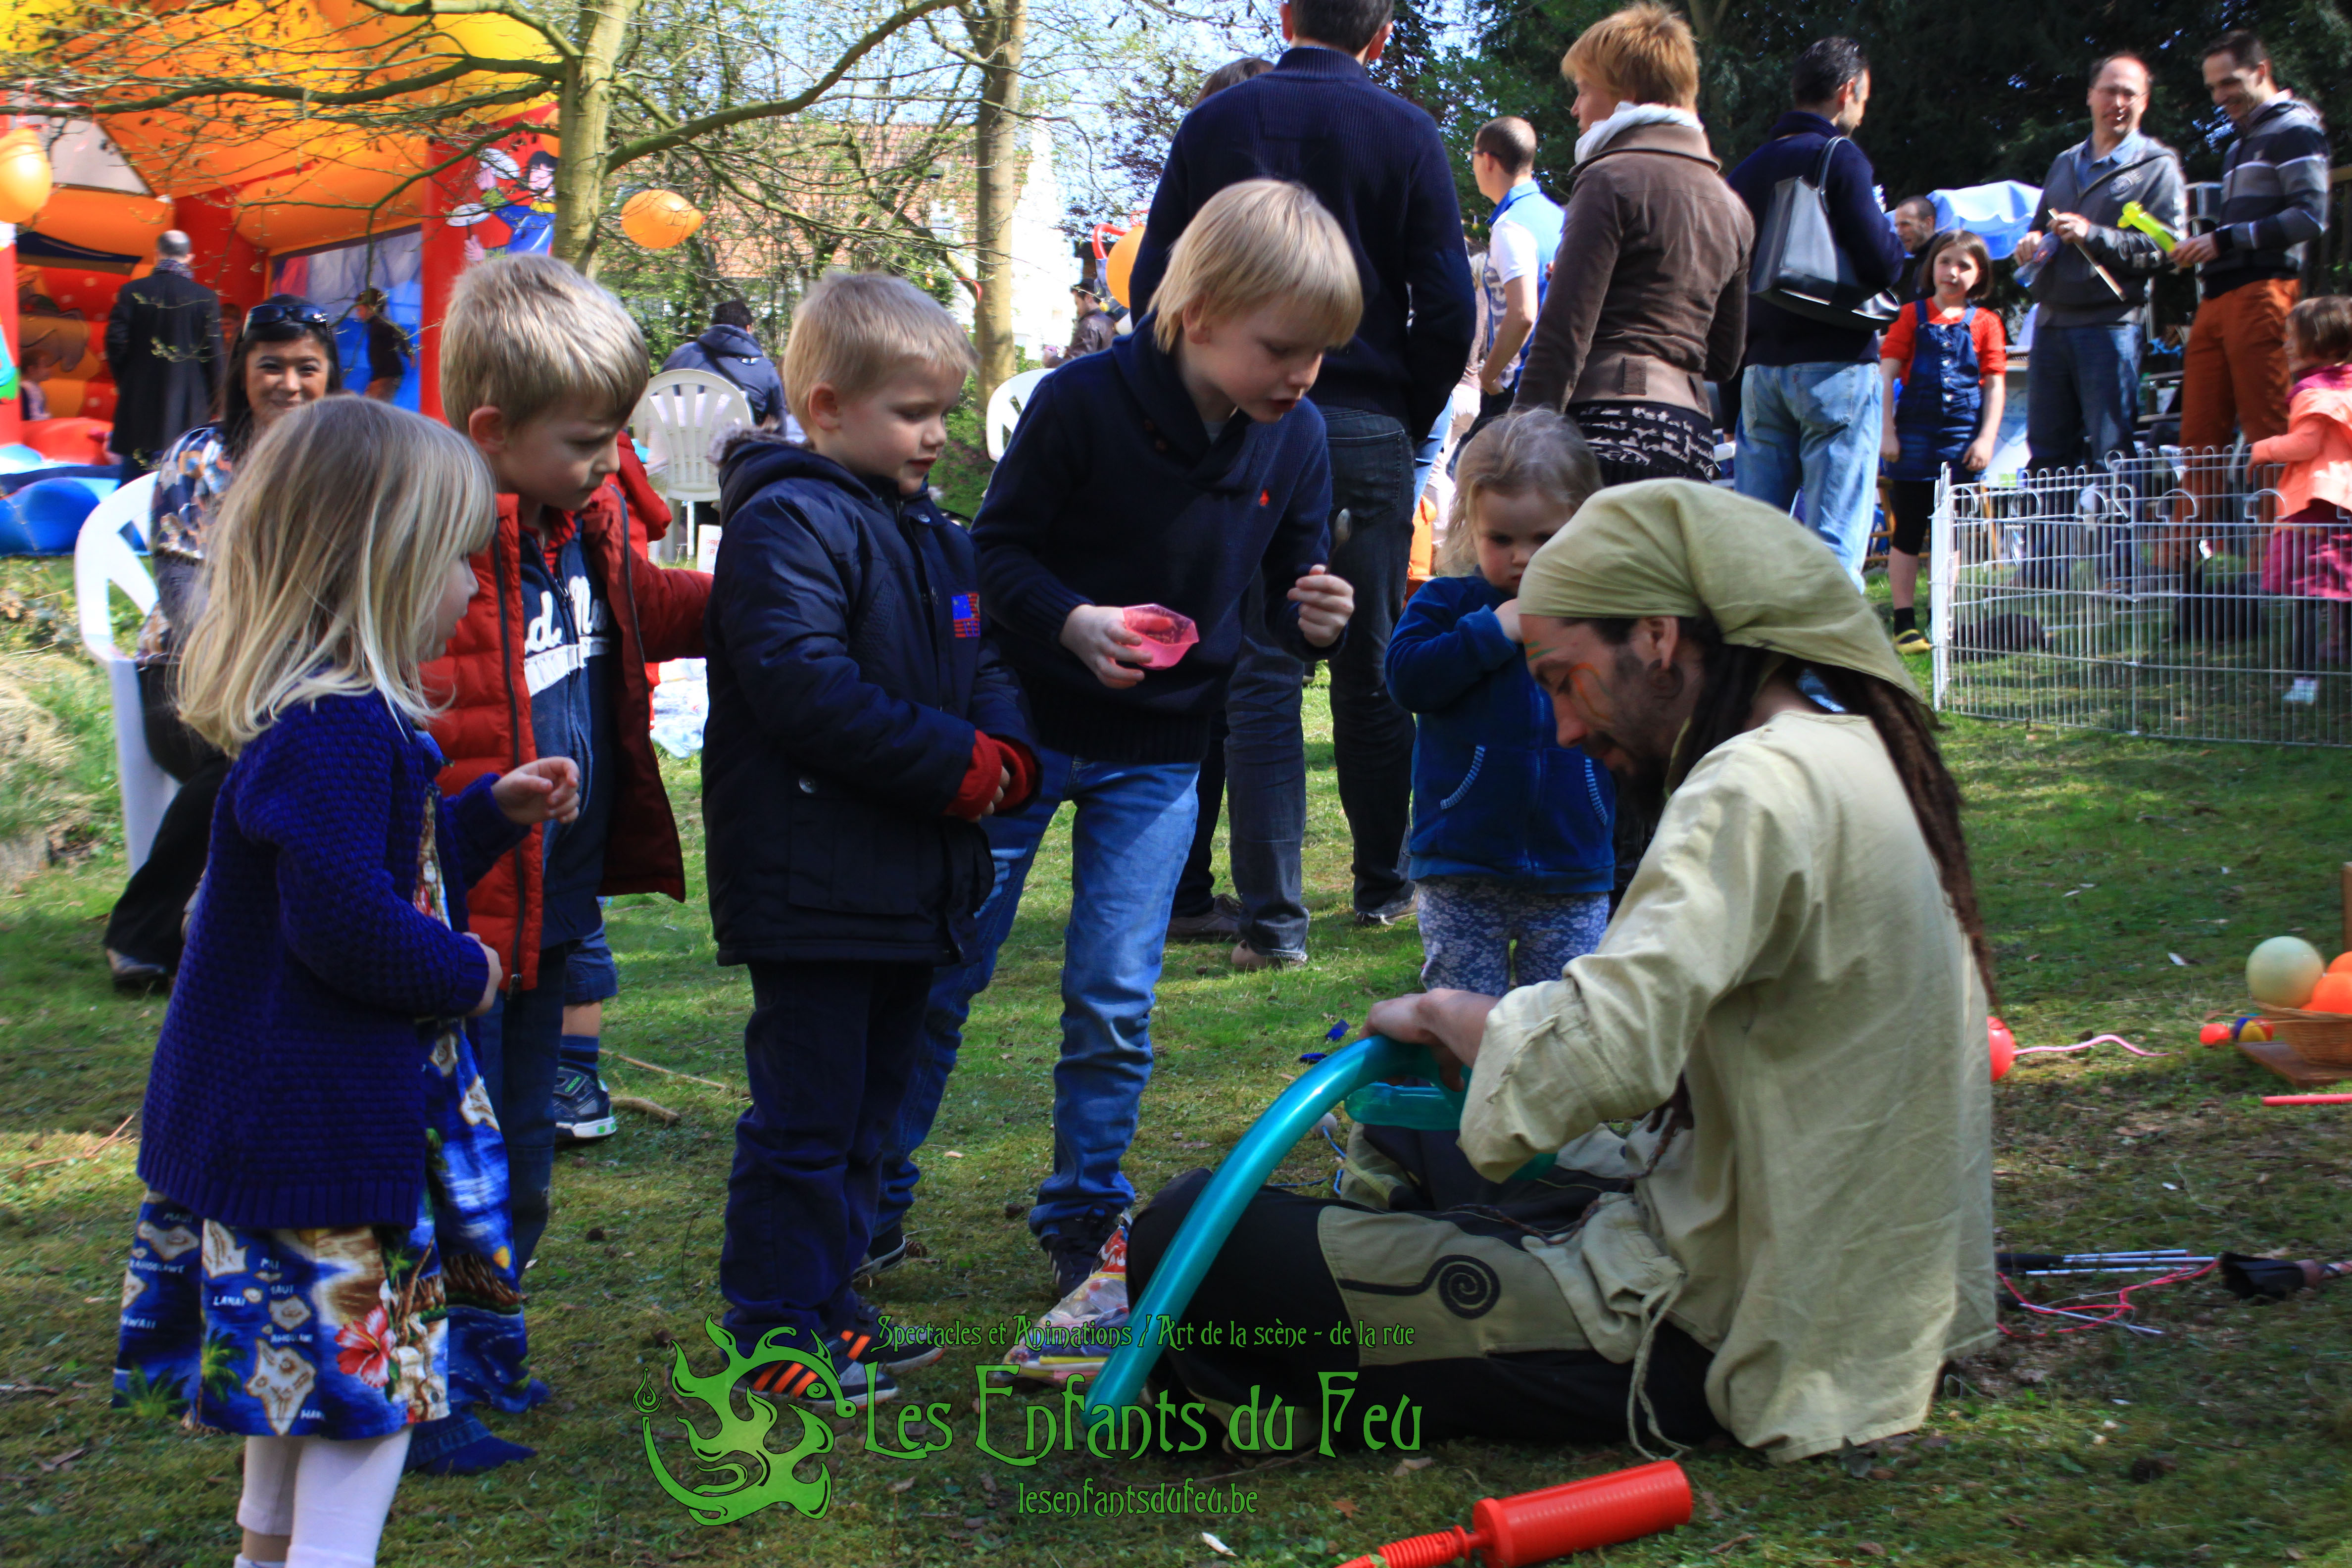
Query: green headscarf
<point x="1676" y="547"/>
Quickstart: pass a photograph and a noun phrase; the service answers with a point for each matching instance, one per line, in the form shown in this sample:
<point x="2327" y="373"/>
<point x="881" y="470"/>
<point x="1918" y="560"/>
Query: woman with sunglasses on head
<point x="284" y="357"/>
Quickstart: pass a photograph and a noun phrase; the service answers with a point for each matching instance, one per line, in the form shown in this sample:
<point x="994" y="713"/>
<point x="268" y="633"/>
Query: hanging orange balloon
<point x="24" y="175"/>
<point x="659" y="219"/>
<point x="1121" y="263"/>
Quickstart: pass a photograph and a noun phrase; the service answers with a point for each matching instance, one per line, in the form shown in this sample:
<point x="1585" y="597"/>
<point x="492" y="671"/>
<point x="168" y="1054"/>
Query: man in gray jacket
<point x="2084" y="375"/>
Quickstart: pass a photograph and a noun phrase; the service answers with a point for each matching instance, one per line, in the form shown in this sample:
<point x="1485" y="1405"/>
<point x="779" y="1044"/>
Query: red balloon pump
<point x="1536" y="1527"/>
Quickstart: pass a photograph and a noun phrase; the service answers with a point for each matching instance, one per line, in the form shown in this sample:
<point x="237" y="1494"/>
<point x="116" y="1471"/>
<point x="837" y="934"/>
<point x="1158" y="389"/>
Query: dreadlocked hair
<point x="1736" y="671"/>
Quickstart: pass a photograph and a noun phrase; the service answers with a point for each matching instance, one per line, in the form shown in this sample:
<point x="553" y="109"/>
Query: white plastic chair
<point x="104" y="559"/>
<point x="1004" y="406"/>
<point x="679" y="422"/>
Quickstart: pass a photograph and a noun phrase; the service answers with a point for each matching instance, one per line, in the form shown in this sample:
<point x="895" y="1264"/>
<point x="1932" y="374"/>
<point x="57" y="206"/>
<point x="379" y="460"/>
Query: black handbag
<point x="1799" y="264"/>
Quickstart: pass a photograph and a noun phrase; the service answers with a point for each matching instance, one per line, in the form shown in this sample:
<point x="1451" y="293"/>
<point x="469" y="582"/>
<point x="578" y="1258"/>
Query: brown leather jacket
<point x="1648" y="297"/>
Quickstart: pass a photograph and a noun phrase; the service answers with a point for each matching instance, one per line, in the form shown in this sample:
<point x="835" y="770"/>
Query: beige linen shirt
<point x="1826" y="1226"/>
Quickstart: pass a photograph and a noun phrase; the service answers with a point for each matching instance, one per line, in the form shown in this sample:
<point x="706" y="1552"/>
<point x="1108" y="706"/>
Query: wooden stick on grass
<point x="657" y="1066"/>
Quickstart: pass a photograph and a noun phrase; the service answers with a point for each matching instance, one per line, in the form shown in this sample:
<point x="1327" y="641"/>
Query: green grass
<point x="2242" y="1416"/>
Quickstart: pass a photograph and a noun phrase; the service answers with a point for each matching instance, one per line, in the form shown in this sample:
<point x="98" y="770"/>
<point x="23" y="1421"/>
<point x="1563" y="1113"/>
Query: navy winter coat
<point x="847" y="673"/>
<point x="1493" y="791"/>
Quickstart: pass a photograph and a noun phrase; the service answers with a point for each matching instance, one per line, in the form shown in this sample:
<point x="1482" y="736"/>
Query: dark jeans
<point x="519" y="1044"/>
<point x="147" y="919"/>
<point x="1271" y="1271"/>
<point x="1265" y="760"/>
<point x="1196" y="889"/>
<point x="1265" y="777"/>
<point x="828" y="1049"/>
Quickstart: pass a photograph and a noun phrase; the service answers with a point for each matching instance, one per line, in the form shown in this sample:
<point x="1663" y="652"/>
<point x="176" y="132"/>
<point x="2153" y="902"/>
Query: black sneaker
<point x="904" y="1346"/>
<point x="1222" y="921"/>
<point x="1075" y="1245"/>
<point x="584" y="1111"/>
<point x="1388" y="914"/>
<point x="889" y="1249"/>
<point x="857" y="1366"/>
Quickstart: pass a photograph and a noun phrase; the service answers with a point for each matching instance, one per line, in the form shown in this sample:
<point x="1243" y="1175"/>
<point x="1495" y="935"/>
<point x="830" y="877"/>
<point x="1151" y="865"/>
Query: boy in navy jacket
<point x="1171" y="471"/>
<point x="860" y="725"/>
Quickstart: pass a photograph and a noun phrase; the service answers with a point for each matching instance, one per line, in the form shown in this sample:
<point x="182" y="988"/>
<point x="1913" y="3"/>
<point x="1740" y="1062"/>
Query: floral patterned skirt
<point x="354" y="1331"/>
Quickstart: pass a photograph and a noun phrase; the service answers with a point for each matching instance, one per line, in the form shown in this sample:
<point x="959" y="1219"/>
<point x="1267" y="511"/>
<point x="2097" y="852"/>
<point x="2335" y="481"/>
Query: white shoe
<point x="2305" y="692"/>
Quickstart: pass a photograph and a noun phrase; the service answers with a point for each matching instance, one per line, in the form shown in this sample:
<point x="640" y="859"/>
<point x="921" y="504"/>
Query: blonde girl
<point x="1511" y="831"/>
<point x="285" y="1275"/>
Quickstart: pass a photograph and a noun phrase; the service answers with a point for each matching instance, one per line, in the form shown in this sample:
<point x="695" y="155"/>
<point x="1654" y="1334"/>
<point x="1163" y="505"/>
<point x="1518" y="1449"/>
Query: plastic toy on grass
<point x="2231" y="1031"/>
<point x="1166" y="634"/>
<point x="1536" y="1527"/>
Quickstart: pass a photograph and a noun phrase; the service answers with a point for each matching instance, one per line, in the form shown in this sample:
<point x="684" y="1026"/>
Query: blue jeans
<point x="1814" y="427"/>
<point x="517" y="1045"/>
<point x="1127" y="849"/>
<point x="2082" y="394"/>
<point x="1265" y="776"/>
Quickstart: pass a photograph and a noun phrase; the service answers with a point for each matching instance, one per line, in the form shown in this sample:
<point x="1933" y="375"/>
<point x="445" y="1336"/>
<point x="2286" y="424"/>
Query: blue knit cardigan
<point x="288" y="1087"/>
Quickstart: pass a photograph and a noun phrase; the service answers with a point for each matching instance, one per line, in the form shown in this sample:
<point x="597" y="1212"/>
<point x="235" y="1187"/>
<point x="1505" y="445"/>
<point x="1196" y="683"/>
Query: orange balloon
<point x="2342" y="964"/>
<point x="659" y="219"/>
<point x="1121" y="263"/>
<point x="25" y="177"/>
<point x="2331" y="994"/>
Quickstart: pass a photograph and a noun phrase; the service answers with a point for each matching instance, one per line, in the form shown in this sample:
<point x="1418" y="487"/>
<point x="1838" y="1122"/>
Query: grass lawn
<point x="2226" y="1441"/>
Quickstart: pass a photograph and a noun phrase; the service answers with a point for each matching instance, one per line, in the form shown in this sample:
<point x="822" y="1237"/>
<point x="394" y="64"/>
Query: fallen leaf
<point x="1743" y="1537"/>
<point x="61" y="1461"/>
<point x="1346" y="1505"/>
<point x="1872" y="1547"/>
<point x="1407" y="1467"/>
<point x="1881" y="1473"/>
<point x="907" y="1485"/>
<point x="1215" y="1545"/>
<point x="1707" y="1505"/>
<point x="955" y="1153"/>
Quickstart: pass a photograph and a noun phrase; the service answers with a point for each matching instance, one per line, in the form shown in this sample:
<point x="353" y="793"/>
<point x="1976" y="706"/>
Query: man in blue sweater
<point x="1376" y="164"/>
<point x="1810" y="404"/>
<point x="1156" y="482"/>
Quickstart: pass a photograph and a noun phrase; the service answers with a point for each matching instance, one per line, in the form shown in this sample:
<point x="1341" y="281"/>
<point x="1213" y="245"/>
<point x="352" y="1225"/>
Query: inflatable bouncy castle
<point x="274" y="200"/>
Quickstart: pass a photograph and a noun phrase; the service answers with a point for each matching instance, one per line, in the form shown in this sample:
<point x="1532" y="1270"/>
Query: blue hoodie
<point x="1493" y="791"/>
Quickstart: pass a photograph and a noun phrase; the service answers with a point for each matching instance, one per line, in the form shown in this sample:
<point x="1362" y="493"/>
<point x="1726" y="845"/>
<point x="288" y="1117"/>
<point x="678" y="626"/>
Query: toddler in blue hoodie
<point x="1510" y="829"/>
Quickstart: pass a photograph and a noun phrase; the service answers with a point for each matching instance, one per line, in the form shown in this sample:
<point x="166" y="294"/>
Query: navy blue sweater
<point x="1378" y="163"/>
<point x="1782" y="337"/>
<point x="1493" y="791"/>
<point x="288" y="1087"/>
<point x="1111" y="493"/>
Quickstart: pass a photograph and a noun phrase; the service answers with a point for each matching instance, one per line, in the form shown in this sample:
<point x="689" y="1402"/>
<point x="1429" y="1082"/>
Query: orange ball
<point x="2340" y="964"/>
<point x="659" y="219"/>
<point x="2331" y="994"/>
<point x="1120" y="263"/>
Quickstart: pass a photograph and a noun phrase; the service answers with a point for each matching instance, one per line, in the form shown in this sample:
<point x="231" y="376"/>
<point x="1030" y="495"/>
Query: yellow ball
<point x="25" y="177"/>
<point x="2283" y="972"/>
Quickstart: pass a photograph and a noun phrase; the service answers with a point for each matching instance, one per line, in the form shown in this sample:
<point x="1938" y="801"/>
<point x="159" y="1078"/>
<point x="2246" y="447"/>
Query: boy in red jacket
<point x="542" y="369"/>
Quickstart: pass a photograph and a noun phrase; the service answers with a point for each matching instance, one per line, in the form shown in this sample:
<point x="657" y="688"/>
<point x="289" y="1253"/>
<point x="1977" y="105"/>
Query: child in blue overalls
<point x="1947" y="353"/>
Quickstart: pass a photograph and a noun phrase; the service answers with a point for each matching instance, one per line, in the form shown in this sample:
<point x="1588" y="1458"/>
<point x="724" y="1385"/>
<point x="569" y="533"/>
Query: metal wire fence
<point x="2160" y="595"/>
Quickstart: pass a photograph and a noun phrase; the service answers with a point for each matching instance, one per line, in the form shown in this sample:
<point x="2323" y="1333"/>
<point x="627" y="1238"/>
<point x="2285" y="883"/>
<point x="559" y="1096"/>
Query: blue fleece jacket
<point x="1782" y="337"/>
<point x="1378" y="164"/>
<point x="1112" y="493"/>
<point x="1493" y="791"/>
<point x="288" y="1087"/>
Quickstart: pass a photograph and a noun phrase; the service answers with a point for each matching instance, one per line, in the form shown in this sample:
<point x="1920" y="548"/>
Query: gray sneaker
<point x="1388" y="914"/>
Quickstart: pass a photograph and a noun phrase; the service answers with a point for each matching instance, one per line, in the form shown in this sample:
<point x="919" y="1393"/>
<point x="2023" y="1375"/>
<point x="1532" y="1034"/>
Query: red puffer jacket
<point x="485" y="722"/>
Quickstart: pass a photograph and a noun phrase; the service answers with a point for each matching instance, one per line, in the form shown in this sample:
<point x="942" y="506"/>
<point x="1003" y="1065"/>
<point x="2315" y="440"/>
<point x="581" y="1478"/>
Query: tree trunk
<point x="999" y="32"/>
<point x="583" y="117"/>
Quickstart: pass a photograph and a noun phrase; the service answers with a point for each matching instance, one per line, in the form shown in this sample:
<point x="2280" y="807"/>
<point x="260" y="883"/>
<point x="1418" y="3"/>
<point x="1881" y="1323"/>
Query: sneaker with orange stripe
<point x="857" y="1367"/>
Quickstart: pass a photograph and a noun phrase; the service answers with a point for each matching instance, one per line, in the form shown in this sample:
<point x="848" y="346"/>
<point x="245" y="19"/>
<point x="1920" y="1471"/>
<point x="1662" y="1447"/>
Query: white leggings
<point x="330" y="1494"/>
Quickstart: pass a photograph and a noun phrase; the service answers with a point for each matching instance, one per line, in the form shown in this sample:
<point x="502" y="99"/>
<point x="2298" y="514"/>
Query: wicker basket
<point x="2323" y="1039"/>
